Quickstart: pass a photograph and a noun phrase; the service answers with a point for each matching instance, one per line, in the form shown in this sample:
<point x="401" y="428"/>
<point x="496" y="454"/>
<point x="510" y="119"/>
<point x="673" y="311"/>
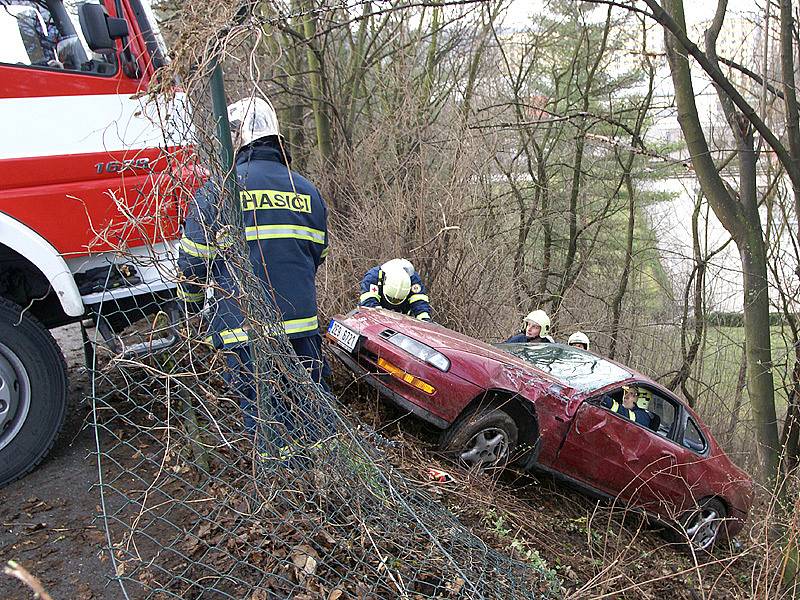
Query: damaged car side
<point x="544" y="407"/>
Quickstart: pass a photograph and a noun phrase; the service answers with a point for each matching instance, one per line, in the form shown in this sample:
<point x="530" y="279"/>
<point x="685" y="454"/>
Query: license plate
<point x="345" y="337"/>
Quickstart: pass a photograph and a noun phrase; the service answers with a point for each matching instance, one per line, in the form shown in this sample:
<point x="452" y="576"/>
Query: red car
<point x="542" y="407"/>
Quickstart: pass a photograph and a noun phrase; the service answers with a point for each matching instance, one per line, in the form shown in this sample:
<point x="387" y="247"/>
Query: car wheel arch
<point x="721" y="499"/>
<point x="521" y="410"/>
<point x="675" y="530"/>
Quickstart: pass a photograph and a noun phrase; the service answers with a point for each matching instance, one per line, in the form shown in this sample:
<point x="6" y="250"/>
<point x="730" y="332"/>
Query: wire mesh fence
<point x="193" y="511"/>
<point x="230" y="473"/>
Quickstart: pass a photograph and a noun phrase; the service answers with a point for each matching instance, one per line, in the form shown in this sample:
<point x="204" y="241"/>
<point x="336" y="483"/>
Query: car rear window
<point x="580" y="370"/>
<point x="692" y="438"/>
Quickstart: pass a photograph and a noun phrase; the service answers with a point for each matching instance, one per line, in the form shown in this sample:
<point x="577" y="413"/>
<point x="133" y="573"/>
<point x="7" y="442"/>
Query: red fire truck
<point x="91" y="168"/>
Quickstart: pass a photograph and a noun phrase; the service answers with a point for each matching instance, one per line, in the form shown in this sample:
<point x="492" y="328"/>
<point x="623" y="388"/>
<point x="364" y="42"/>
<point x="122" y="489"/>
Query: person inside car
<point x="628" y="408"/>
<point x="535" y="330"/>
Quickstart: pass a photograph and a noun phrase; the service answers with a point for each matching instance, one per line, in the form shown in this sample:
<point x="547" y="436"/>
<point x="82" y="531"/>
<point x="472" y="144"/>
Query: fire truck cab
<point x="91" y="173"/>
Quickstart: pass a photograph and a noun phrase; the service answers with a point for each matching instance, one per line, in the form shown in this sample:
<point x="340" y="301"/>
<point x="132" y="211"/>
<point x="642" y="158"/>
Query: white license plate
<point x="345" y="337"/>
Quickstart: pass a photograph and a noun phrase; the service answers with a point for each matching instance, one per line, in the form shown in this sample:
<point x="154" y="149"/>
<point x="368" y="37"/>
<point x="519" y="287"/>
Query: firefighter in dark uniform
<point x="285" y="225"/>
<point x="397" y="286"/>
<point x="535" y="329"/>
<point x="629" y="407"/>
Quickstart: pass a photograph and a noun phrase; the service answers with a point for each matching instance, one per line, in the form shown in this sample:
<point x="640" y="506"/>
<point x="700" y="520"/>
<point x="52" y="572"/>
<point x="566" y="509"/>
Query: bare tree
<point x="737" y="210"/>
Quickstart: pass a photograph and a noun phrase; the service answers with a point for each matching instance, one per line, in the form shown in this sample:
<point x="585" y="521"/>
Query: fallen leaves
<point x="305" y="560"/>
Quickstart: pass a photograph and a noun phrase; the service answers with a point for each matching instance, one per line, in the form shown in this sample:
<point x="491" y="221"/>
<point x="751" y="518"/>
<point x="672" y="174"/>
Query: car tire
<point x="484" y="439"/>
<point x="33" y="392"/>
<point x="701" y="528"/>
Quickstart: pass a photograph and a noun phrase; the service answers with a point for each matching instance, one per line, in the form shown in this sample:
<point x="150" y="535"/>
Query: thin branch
<point x="751" y="74"/>
<point x="14" y="569"/>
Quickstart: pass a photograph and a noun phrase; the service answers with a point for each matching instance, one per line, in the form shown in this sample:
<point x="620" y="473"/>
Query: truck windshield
<point x="46" y="33"/>
<point x="581" y="370"/>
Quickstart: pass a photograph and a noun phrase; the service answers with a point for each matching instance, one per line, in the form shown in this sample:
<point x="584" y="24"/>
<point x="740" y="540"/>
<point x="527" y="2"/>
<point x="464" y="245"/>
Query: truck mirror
<point x="99" y="29"/>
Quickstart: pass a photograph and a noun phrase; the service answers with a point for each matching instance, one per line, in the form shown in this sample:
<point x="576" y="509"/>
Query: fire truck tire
<point x="33" y="392"/>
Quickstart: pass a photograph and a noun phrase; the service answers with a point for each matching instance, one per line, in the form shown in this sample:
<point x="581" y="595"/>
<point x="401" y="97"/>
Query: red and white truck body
<point x="92" y="171"/>
<point x="79" y="158"/>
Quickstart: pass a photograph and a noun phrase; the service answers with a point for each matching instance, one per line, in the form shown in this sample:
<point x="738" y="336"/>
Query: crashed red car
<point x="538" y="406"/>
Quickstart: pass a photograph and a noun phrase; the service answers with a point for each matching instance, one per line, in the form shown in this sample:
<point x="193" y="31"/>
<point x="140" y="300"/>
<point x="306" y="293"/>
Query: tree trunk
<point x="760" y="385"/>
<point x="740" y="218"/>
<point x="741" y="384"/>
<point x="545" y="220"/>
<point x="616" y="304"/>
<point x="572" y="268"/>
<point x="316" y="87"/>
<point x="696" y="281"/>
<point x="357" y="70"/>
<point x="790" y="94"/>
<point x="295" y="128"/>
<point x="791" y="426"/>
<point x="791" y="430"/>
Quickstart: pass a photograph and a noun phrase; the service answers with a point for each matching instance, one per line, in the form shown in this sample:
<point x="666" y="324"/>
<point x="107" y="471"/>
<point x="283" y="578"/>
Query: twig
<point x="16" y="570"/>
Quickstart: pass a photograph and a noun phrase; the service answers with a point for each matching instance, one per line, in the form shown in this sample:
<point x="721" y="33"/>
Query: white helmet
<point x="253" y="118"/>
<point x="540" y="318"/>
<point x="402" y="262"/>
<point x="395" y="283"/>
<point x="579" y="338"/>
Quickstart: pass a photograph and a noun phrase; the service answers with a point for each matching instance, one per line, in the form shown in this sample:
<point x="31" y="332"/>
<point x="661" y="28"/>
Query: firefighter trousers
<point x="290" y="413"/>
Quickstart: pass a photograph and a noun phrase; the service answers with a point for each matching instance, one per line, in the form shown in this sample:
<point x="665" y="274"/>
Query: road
<point x="48" y="518"/>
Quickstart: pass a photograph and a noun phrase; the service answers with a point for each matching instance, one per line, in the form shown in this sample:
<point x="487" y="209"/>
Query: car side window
<point x="607" y="400"/>
<point x="693" y="438"/>
<point x="31" y="35"/>
<point x="664" y="411"/>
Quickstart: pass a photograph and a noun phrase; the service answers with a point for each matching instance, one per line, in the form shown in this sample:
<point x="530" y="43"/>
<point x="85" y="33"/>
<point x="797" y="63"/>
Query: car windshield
<point x="580" y="370"/>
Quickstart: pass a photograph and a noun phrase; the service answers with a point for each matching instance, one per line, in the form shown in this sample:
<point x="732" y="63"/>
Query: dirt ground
<point x="47" y="518"/>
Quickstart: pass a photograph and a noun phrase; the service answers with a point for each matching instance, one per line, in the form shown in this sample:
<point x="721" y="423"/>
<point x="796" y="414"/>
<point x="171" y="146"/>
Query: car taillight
<point x="417" y="349"/>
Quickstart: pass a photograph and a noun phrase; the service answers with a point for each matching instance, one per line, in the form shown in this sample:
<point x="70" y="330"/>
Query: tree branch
<point x="666" y="21"/>
<point x="751" y="74"/>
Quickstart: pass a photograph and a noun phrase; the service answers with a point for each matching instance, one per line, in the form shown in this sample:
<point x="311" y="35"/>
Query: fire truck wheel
<point x="33" y="392"/>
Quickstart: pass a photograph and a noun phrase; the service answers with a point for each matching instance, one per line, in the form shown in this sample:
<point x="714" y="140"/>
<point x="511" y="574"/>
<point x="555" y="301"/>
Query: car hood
<point x="433" y="334"/>
<point x="439" y="337"/>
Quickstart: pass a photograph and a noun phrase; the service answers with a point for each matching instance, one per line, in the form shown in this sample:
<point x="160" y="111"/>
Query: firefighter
<point x="397" y="286"/>
<point x="285" y="227"/>
<point x="535" y="330"/>
<point x="579" y="340"/>
<point x="629" y="408"/>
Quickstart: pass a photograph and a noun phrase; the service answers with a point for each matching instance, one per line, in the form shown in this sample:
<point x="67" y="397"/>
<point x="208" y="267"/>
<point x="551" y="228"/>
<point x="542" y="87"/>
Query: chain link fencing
<point x="195" y="503"/>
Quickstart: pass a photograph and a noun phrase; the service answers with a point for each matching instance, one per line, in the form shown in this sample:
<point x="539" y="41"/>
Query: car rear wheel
<point x="33" y="392"/>
<point x="484" y="439"/>
<point x="701" y="527"/>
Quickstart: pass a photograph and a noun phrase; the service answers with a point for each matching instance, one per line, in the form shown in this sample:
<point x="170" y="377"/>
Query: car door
<point x="592" y="452"/>
<point x="622" y="458"/>
<point x="694" y="465"/>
